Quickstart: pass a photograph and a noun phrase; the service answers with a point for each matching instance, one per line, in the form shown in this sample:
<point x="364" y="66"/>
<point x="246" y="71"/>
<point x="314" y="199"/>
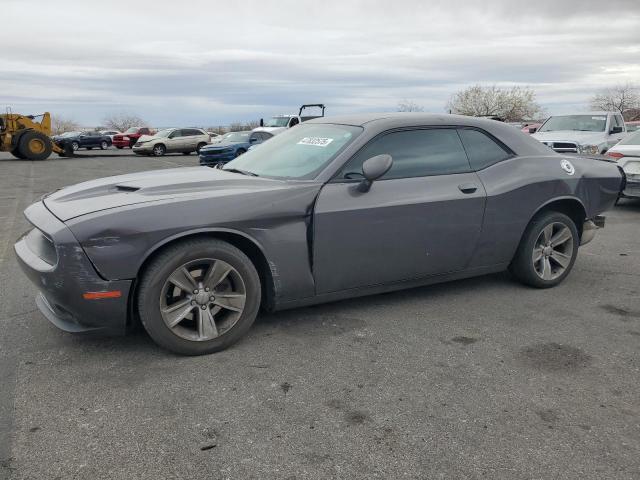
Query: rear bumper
<point x="63" y="286"/>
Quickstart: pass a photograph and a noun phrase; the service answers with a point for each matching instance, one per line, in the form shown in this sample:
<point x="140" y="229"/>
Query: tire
<point x="240" y="151"/>
<point x="159" y="150"/>
<point x="16" y="153"/>
<point x="104" y="145"/>
<point x="75" y="146"/>
<point x="34" y="145"/>
<point x="555" y="261"/>
<point x="119" y="148"/>
<point x="132" y="143"/>
<point x="186" y="337"/>
<point x="199" y="146"/>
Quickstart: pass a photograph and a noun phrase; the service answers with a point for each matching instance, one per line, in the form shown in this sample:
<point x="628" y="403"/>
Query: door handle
<point x="468" y="187"/>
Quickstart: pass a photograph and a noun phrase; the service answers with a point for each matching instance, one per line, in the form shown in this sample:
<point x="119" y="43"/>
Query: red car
<point x="130" y="137"/>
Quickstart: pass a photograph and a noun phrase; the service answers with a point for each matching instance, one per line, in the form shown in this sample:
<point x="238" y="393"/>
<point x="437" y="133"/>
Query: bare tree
<point x="123" y="121"/>
<point x="620" y="98"/>
<point x="510" y="104"/>
<point x="409" y="106"/>
<point x="60" y="125"/>
<point x="243" y="126"/>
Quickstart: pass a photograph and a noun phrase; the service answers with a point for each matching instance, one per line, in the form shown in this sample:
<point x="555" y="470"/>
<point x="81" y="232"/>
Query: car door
<point x="175" y="141"/>
<point x="615" y="137"/>
<point x="190" y="138"/>
<point x="423" y="217"/>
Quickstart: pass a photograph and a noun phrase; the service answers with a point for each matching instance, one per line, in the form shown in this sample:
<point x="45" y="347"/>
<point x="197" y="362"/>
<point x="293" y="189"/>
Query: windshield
<point x="165" y="133"/>
<point x="632" y="139"/>
<point x="581" y="123"/>
<point x="277" y="122"/>
<point x="300" y="152"/>
<point x="237" y="137"/>
<point x="70" y="134"/>
<point x="132" y="130"/>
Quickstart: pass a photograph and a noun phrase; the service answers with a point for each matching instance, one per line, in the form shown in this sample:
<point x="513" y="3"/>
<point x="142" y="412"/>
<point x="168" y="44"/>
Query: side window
<point x="177" y="134"/>
<point x="481" y="149"/>
<point x="415" y="153"/>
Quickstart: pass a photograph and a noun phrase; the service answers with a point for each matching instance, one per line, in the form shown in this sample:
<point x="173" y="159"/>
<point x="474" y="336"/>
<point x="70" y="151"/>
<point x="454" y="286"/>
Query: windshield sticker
<point x="316" y="141"/>
<point x="598" y="118"/>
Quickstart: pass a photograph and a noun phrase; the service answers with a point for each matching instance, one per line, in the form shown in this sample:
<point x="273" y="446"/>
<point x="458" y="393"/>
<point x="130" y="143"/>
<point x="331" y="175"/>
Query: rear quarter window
<point x="482" y="150"/>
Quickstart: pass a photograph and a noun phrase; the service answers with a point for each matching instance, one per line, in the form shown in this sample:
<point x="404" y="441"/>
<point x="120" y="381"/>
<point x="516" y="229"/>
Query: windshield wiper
<point x="241" y="172"/>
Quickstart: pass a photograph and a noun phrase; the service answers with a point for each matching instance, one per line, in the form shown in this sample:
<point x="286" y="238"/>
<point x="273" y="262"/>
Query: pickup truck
<point x="130" y="137"/>
<point x="280" y="123"/>
<point x="588" y="133"/>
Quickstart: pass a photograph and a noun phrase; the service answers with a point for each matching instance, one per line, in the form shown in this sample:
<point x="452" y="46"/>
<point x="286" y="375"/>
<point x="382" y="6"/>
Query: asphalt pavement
<point x="480" y="378"/>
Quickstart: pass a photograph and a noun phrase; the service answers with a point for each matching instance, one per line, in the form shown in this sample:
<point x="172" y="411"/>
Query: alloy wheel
<point x="553" y="251"/>
<point x="202" y="299"/>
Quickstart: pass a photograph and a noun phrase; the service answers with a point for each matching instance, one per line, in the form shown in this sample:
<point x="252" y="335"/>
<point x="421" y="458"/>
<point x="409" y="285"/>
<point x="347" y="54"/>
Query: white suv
<point x="589" y="133"/>
<point x="182" y="140"/>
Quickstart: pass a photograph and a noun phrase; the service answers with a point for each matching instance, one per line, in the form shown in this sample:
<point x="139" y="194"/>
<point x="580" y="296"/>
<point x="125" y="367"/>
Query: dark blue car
<point x="88" y="140"/>
<point x="231" y="145"/>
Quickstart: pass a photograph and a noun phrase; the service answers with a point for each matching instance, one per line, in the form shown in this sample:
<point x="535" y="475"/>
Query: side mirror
<point x="615" y="130"/>
<point x="533" y="130"/>
<point x="373" y="169"/>
<point x="253" y="139"/>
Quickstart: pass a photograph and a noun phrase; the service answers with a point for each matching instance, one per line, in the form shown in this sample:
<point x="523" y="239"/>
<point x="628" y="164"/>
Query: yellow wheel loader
<point x="27" y="138"/>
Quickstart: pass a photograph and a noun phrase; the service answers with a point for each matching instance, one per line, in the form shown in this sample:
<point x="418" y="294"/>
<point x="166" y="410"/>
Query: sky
<point x="210" y="62"/>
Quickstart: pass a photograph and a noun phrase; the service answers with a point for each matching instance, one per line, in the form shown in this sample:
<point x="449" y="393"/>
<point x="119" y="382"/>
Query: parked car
<point x="86" y="139"/>
<point x="130" y="137"/>
<point x="627" y="154"/>
<point x="531" y="128"/>
<point x="632" y="126"/>
<point x="280" y="123"/>
<point x="332" y="209"/>
<point x="589" y="133"/>
<point x="232" y="145"/>
<point x="172" y="140"/>
<point x="110" y="133"/>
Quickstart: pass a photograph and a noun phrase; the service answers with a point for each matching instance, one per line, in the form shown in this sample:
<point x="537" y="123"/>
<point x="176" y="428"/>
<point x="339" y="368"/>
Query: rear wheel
<point x="34" y="146"/>
<point x="104" y="145"/>
<point x="199" y="296"/>
<point x="200" y="145"/>
<point x="547" y="251"/>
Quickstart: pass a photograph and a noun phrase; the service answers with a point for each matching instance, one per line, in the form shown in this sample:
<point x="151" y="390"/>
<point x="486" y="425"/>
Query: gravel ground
<point x="481" y="378"/>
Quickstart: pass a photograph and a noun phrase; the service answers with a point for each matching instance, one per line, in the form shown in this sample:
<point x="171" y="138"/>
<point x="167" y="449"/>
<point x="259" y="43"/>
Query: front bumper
<point x="214" y="159"/>
<point x="121" y="143"/>
<point x="142" y="148"/>
<point x="64" y="282"/>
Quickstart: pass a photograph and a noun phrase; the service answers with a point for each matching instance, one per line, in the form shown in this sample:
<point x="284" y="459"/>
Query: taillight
<point x="615" y="155"/>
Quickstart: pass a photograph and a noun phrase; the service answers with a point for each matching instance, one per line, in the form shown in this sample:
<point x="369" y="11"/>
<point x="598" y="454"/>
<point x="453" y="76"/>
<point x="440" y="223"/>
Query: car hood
<point x="143" y="187"/>
<point x="146" y="138"/>
<point x="273" y="130"/>
<point x="220" y="145"/>
<point x="582" y="138"/>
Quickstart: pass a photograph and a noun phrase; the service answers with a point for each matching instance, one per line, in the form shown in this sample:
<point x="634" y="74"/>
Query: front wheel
<point x="75" y="146"/>
<point x="547" y="251"/>
<point x="159" y="150"/>
<point x="199" y="296"/>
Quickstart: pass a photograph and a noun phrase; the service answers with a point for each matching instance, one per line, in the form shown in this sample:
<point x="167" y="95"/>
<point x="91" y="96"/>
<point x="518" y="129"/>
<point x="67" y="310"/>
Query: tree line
<point x="510" y="104"/>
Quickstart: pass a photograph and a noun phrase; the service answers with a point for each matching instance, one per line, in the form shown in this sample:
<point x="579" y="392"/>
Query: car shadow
<point x="299" y="321"/>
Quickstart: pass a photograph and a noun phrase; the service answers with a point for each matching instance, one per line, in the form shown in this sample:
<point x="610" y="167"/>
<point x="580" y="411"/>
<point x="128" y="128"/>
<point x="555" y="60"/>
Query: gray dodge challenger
<point x="331" y="209"/>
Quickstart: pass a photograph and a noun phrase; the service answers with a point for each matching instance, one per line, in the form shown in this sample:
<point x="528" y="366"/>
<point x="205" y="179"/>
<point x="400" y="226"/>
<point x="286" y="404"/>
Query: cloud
<point x="204" y="63"/>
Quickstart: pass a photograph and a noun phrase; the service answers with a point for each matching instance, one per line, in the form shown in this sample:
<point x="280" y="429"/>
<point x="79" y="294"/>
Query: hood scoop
<point x="127" y="188"/>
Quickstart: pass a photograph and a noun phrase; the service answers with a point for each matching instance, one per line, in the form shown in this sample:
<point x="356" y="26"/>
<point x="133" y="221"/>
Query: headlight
<point x="589" y="149"/>
<point x="125" y="138"/>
